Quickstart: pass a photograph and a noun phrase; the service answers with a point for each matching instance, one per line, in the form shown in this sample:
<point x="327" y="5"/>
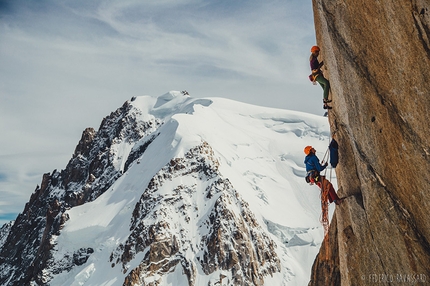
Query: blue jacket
<point x="313" y="163"/>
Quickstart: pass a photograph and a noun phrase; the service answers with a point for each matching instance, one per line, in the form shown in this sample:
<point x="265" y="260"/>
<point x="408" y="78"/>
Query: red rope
<point x="324" y="217"/>
<point x="324" y="186"/>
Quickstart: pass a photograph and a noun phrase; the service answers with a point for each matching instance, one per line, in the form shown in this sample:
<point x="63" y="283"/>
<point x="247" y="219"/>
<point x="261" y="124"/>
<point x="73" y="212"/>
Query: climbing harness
<point x="313" y="78"/>
<point x="312" y="177"/>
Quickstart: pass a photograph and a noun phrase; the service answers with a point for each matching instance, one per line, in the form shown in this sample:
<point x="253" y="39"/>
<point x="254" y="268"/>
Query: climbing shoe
<point x="327" y="107"/>
<point x="326" y="100"/>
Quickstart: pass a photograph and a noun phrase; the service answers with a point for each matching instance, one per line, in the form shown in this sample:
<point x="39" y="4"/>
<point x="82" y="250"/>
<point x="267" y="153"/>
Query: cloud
<point x="67" y="64"/>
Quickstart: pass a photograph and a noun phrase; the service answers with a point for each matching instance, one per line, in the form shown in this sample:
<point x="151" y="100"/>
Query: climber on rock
<point x="313" y="169"/>
<point x="317" y="75"/>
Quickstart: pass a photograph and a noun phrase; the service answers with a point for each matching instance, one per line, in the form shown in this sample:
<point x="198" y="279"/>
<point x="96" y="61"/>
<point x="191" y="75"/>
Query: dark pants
<point x="325" y="84"/>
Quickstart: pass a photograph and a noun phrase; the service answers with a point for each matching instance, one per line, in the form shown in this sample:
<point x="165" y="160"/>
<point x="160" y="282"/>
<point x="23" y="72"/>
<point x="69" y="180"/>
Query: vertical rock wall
<point x="377" y="58"/>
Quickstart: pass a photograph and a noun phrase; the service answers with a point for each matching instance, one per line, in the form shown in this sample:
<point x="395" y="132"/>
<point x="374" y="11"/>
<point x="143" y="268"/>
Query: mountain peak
<point x="200" y="190"/>
<point x="172" y="97"/>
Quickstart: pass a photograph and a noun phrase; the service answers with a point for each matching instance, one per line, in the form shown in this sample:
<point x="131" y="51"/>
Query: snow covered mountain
<point x="175" y="190"/>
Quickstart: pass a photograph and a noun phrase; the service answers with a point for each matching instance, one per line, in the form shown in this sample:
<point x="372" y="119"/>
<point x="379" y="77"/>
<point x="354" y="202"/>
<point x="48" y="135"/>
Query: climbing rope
<point x="324" y="206"/>
<point x="324" y="219"/>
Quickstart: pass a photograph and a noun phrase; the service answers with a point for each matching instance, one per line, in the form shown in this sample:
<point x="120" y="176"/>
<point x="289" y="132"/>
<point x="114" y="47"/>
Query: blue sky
<point x="67" y="64"/>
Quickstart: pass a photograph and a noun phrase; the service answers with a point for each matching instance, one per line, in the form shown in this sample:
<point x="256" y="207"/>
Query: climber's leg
<point x="325" y="84"/>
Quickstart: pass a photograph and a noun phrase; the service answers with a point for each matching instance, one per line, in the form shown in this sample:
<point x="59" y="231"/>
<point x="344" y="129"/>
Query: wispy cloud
<point x="67" y="64"/>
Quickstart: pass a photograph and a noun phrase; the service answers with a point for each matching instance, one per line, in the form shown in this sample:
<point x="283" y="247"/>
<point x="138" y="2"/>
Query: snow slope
<point x="259" y="150"/>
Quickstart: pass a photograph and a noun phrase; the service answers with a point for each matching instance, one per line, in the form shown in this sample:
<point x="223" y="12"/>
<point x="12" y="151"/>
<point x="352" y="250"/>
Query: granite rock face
<point x="377" y="58"/>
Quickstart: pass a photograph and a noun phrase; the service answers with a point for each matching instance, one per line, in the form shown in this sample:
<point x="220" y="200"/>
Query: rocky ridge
<point x="229" y="239"/>
<point x="94" y="167"/>
<point x="147" y="199"/>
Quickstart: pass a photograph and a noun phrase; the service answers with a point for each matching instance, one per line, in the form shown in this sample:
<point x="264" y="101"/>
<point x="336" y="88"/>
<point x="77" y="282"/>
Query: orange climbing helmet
<point x="315" y="49"/>
<point x="308" y="149"/>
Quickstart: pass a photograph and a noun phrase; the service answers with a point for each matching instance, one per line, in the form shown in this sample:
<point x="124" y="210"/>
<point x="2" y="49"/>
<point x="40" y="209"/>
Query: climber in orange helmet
<point x="317" y="75"/>
<point x="313" y="169"/>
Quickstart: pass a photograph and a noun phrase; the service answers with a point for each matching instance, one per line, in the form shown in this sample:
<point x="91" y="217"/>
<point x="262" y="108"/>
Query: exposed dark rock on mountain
<point x="234" y="240"/>
<point x="189" y="220"/>
<point x="377" y="55"/>
<point x="92" y="170"/>
<point x="4" y="232"/>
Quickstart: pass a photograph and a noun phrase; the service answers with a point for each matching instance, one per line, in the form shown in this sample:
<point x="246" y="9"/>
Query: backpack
<point x="334" y="154"/>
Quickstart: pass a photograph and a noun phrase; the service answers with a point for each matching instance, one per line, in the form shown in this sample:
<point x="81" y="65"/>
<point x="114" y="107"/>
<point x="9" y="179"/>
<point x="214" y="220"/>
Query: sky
<point x="65" y="65"/>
